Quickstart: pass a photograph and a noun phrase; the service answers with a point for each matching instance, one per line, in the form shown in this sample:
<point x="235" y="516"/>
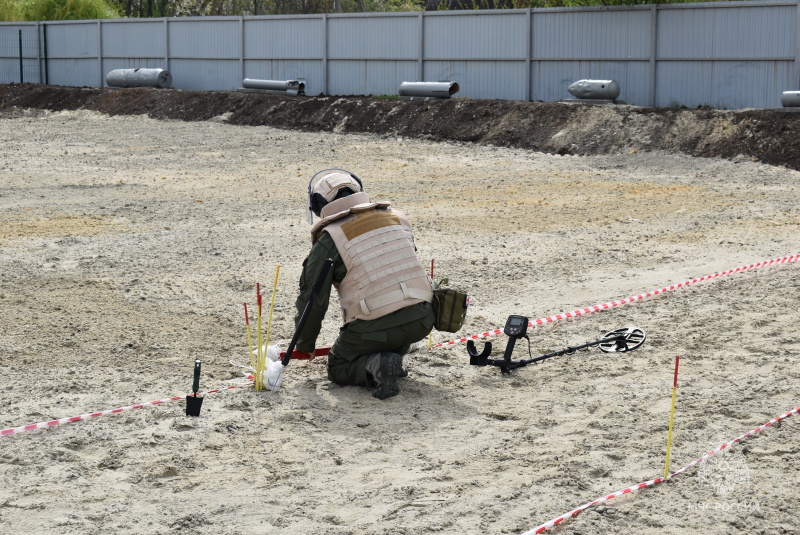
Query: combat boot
<point x="384" y="369"/>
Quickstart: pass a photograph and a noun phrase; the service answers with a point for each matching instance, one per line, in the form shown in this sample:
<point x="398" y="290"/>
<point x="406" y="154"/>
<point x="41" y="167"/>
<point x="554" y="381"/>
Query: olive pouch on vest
<point x="450" y="307"/>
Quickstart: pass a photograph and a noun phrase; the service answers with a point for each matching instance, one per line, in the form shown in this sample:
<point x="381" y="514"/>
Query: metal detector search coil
<point x="622" y="340"/>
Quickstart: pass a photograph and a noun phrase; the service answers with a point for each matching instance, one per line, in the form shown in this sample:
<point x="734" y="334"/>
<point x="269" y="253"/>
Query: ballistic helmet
<point x="329" y="185"/>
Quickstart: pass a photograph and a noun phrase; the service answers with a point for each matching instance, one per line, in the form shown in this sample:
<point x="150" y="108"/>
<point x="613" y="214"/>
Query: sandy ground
<point x="128" y="245"/>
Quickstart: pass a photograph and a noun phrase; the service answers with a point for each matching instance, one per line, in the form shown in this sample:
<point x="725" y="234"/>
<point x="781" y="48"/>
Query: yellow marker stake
<point x="263" y="363"/>
<point x="259" y="350"/>
<point x="672" y="416"/>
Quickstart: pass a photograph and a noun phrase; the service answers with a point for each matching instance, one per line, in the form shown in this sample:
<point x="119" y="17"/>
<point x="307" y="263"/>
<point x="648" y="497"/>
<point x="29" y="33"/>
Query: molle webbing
<point x="375" y="254"/>
<point x="395" y="280"/>
<point x="363" y="277"/>
<point x="368" y="305"/>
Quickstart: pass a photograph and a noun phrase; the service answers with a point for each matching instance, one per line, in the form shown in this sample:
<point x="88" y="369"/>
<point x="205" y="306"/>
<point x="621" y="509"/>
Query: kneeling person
<point x="384" y="292"/>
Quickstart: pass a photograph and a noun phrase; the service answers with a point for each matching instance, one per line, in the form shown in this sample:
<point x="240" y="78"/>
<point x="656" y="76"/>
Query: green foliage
<point x="9" y="11"/>
<point x="67" y="10"/>
<point x="444" y="5"/>
<point x="195" y="8"/>
<point x="32" y="10"/>
<point x="288" y="7"/>
<point x="180" y="8"/>
<point x="351" y="6"/>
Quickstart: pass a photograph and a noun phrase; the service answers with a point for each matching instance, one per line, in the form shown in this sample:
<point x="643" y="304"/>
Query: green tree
<point x="195" y="8"/>
<point x="66" y="10"/>
<point x="9" y="11"/>
<point x="349" y="6"/>
<point x="290" y="7"/>
<point x="522" y="4"/>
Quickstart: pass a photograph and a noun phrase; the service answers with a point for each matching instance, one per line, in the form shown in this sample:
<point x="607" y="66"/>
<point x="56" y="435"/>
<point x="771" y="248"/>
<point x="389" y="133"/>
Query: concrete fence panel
<point x="724" y="55"/>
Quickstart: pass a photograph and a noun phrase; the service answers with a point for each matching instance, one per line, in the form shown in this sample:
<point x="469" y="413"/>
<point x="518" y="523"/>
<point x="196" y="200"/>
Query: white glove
<point x="273" y="375"/>
<point x="274" y="353"/>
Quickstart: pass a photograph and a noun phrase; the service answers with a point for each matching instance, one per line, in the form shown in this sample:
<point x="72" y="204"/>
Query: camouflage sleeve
<point x="322" y="249"/>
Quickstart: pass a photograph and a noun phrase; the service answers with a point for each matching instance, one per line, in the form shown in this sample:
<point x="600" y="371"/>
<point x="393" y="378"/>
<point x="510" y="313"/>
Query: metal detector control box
<point x="516" y="326"/>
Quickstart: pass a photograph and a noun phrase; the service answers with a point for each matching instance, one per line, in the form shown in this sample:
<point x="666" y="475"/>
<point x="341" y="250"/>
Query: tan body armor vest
<point x="376" y="245"/>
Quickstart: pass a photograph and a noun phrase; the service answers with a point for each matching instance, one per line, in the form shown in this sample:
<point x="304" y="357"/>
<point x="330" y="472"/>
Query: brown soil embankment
<point x="767" y="136"/>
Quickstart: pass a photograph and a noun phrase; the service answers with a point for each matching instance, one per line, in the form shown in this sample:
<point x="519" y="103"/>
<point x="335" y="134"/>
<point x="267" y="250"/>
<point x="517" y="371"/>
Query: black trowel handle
<point x="196" y="383"/>
<point x="306" y="311"/>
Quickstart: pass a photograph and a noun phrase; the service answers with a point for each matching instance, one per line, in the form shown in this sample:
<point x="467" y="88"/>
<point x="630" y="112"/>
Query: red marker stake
<point x="259" y="349"/>
<point x="249" y="339"/>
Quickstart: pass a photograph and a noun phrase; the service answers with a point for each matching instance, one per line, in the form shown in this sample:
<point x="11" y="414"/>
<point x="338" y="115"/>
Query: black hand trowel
<point x="194" y="402"/>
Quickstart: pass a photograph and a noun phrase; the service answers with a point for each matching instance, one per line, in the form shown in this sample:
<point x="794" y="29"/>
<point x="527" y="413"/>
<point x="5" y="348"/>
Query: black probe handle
<point x="306" y="311"/>
<point x="509" y="348"/>
<point x="196" y="383"/>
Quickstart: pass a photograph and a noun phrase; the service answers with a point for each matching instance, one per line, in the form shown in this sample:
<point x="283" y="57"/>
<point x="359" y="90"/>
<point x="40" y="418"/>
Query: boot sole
<point x="391" y="368"/>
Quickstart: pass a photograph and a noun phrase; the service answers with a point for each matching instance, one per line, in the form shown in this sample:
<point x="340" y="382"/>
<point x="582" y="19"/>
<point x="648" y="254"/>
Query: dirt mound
<point x="759" y="135"/>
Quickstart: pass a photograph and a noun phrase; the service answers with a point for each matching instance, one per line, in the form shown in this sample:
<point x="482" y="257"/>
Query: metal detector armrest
<point x="479" y="359"/>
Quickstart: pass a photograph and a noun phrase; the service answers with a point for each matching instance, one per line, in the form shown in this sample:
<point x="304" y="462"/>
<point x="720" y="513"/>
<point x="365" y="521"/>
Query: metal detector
<point x="617" y="341"/>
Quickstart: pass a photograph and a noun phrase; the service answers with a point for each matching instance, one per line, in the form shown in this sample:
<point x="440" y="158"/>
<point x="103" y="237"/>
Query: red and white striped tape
<point x="613" y="304"/>
<point x="53" y="423"/>
<point x="579" y="510"/>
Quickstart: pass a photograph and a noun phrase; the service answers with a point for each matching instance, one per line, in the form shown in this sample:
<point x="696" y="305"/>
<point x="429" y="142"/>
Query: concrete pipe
<point x="594" y="89"/>
<point x="139" y="78"/>
<point x="790" y="99"/>
<point x="292" y="87"/>
<point x="428" y="89"/>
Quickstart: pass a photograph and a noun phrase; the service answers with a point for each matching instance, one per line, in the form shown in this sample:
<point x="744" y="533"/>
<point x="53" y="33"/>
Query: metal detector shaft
<point x="306" y="311"/>
<point x="506" y="363"/>
<point x="570" y="350"/>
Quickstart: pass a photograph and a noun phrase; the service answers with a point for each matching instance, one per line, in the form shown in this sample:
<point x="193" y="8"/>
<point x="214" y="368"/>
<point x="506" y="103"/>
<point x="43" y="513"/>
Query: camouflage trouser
<point x="348" y="355"/>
